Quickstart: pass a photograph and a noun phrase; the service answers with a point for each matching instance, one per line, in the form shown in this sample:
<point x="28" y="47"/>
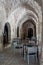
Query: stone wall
<point x="25" y="27"/>
<point x="15" y="12"/>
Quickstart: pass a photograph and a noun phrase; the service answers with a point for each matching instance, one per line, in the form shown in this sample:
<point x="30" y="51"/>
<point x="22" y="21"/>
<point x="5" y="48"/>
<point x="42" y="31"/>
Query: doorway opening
<point x="30" y="33"/>
<point x="28" y="29"/>
<point x="6" y="34"/>
<point x="17" y="31"/>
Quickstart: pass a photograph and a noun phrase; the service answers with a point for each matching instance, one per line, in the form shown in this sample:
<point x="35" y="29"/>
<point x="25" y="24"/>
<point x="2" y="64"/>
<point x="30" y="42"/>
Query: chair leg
<point x="24" y="56"/>
<point x="35" y="59"/>
<point x="38" y="60"/>
<point x="28" y="59"/>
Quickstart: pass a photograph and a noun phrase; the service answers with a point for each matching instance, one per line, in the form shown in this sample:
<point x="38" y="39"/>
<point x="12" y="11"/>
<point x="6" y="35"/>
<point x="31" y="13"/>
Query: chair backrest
<point x="32" y="49"/>
<point x="34" y="39"/>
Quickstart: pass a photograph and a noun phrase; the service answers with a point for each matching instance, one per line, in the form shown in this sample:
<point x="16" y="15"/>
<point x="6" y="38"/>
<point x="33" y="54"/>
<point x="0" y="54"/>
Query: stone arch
<point x="27" y="14"/>
<point x="6" y="34"/>
<point x="31" y="22"/>
<point x="26" y="17"/>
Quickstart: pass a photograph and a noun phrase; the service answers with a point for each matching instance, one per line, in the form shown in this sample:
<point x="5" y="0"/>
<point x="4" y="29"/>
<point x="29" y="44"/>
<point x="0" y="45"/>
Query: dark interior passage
<point x="17" y="31"/>
<point x="5" y="35"/>
<point x="28" y="29"/>
<point x="30" y="32"/>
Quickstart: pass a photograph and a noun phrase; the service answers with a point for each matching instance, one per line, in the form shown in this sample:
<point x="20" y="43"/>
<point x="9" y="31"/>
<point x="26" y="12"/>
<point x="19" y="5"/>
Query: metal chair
<point x="33" y="52"/>
<point x="30" y="50"/>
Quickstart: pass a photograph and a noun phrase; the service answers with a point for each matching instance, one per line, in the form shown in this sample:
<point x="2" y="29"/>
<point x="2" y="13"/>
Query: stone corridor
<point x="20" y="20"/>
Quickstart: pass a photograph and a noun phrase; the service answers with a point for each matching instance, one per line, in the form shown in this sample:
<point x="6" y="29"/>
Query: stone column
<point x="1" y="42"/>
<point x="42" y="21"/>
<point x="42" y="33"/>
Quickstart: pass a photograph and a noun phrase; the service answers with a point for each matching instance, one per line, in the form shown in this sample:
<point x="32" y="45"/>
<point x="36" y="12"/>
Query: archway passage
<point x="30" y="32"/>
<point x="28" y="29"/>
<point x="6" y="34"/>
<point x="17" y="31"/>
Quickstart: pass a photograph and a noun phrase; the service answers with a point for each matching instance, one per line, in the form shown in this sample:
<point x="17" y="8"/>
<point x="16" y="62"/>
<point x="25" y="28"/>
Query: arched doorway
<point x="17" y="31"/>
<point x="6" y="34"/>
<point x="28" y="29"/>
<point x="30" y="33"/>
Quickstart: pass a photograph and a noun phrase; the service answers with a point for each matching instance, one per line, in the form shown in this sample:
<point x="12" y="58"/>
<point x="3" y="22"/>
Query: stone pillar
<point x="1" y="43"/>
<point x="42" y="33"/>
<point x="42" y="21"/>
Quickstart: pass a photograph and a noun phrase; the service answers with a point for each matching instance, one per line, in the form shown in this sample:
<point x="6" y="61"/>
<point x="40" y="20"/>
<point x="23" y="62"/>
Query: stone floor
<point x="7" y="57"/>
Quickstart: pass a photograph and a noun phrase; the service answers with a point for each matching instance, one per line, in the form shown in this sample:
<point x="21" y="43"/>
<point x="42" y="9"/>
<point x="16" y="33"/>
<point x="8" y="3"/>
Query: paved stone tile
<point x="7" y="57"/>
